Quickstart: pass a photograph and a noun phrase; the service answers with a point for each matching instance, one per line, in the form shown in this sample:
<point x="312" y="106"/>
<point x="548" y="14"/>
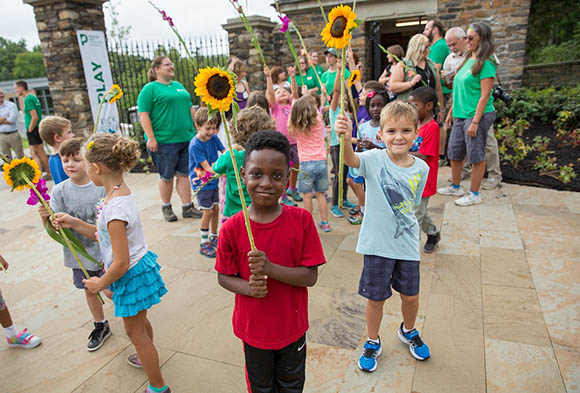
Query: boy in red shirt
<point x="427" y="142"/>
<point x="271" y="303"/>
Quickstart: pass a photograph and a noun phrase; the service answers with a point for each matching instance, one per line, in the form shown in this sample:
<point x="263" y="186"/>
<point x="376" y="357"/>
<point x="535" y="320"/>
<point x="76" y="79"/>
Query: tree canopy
<point x="16" y="61"/>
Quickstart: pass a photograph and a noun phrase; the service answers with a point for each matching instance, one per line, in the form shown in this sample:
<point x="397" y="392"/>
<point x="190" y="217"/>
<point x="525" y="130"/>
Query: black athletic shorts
<point x="34" y="137"/>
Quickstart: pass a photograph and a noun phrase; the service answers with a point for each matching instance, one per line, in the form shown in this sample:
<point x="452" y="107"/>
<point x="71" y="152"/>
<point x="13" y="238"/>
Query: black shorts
<point x="276" y="370"/>
<point x="34" y="137"/>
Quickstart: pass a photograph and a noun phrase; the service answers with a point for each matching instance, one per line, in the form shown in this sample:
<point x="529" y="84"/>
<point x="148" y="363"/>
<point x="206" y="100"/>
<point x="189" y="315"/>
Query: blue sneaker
<point x="418" y="348"/>
<point x="288" y="202"/>
<point x="294" y="195"/>
<point x="346" y="204"/>
<point x="336" y="212"/>
<point x="368" y="358"/>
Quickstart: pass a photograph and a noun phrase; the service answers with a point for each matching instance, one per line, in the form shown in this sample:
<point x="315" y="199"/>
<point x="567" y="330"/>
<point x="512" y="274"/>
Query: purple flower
<point x="42" y="189"/>
<point x="206" y="177"/>
<point x="285" y="22"/>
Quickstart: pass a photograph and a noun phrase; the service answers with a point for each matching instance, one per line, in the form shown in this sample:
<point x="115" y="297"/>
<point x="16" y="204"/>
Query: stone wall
<point x="541" y="76"/>
<point x="240" y="43"/>
<point x="509" y="23"/>
<point x="57" y="22"/>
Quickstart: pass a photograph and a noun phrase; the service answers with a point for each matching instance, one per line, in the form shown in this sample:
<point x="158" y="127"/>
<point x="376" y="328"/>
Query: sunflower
<point x="341" y="20"/>
<point x="17" y="170"/>
<point x="117" y="93"/>
<point x="215" y="87"/>
<point x="354" y="77"/>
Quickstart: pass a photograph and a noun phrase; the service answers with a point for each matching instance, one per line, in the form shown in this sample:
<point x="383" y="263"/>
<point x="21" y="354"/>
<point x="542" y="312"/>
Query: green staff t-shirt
<point x="467" y="89"/>
<point x="31" y="103"/>
<point x="438" y="53"/>
<point x="169" y="107"/>
<point x="310" y="80"/>
<point x="328" y="79"/>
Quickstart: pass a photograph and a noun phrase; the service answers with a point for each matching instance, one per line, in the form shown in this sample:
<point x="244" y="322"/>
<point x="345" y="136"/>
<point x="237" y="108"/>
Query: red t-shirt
<point x="280" y="318"/>
<point x="430" y="148"/>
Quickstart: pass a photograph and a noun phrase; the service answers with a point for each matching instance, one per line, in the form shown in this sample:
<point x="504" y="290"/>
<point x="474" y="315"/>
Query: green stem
<point x="250" y="30"/>
<point x="62" y="233"/>
<point x="294" y="54"/>
<point x="307" y="54"/>
<point x="201" y="186"/>
<point x="3" y="268"/>
<point x="354" y="112"/>
<point x="99" y="112"/>
<point x="238" y="181"/>
<point x="322" y="11"/>
<point x="402" y="64"/>
<point x="341" y="151"/>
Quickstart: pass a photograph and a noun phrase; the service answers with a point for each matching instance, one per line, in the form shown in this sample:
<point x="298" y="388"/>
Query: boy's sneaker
<point x="168" y="213"/>
<point x="490" y="183"/>
<point x="417" y="347"/>
<point x="368" y="358"/>
<point x="213" y="239"/>
<point x="450" y="190"/>
<point x="354" y="211"/>
<point x="346" y="204"/>
<point x="336" y="212"/>
<point x="288" y="202"/>
<point x="469" y="199"/>
<point x="432" y="241"/>
<point x="191" y="212"/>
<point x="97" y="338"/>
<point x="294" y="194"/>
<point x="24" y="340"/>
<point x="324" y="226"/>
<point x="357" y="219"/>
<point x="134" y="361"/>
<point x="207" y="250"/>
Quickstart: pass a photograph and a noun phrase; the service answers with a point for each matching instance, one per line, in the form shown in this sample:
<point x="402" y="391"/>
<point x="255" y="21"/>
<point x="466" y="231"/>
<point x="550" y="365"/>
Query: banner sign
<point x="98" y="76"/>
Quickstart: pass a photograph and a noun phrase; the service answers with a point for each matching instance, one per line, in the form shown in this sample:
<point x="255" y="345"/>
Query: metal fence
<point x="130" y="61"/>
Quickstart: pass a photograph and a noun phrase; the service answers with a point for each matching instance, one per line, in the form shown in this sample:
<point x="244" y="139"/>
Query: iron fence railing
<point x="130" y="61"/>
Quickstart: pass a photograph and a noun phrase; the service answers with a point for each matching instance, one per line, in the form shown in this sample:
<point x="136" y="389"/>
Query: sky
<point x="193" y="18"/>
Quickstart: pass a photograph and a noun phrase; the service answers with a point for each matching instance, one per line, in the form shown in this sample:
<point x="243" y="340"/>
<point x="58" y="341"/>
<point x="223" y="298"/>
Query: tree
<point x="116" y="32"/>
<point x="28" y="65"/>
<point x="8" y="52"/>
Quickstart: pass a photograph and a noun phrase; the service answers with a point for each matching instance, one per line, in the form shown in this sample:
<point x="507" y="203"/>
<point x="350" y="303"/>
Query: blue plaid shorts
<point x="380" y="274"/>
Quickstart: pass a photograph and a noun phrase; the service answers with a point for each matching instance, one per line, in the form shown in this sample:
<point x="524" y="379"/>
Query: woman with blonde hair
<point x="242" y="89"/>
<point x="166" y="115"/>
<point x="416" y="70"/>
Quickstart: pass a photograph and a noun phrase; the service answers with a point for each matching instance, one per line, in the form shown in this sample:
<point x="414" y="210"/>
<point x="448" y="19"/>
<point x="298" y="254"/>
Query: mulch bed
<point x="525" y="174"/>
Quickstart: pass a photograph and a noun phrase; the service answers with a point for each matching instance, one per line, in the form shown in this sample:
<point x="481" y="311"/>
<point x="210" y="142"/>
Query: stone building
<point x="391" y="22"/>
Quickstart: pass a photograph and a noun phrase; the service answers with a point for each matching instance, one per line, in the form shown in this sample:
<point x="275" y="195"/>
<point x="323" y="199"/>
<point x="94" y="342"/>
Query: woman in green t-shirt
<point x="166" y="115"/>
<point x="473" y="113"/>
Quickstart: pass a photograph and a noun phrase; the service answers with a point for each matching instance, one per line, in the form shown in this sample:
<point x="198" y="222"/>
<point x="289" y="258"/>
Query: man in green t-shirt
<point x="439" y="50"/>
<point x="32" y="116"/>
<point x="333" y="67"/>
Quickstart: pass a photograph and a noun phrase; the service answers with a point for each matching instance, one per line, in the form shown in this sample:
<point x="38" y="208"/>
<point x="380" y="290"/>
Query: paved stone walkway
<point x="499" y="306"/>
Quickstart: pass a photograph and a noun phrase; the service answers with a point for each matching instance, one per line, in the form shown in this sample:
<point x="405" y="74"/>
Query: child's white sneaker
<point x="450" y="190"/>
<point x="24" y="340"/>
<point x="469" y="199"/>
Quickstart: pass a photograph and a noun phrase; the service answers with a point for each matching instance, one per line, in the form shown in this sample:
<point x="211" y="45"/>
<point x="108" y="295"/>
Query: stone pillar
<point x="241" y="46"/>
<point x="57" y="22"/>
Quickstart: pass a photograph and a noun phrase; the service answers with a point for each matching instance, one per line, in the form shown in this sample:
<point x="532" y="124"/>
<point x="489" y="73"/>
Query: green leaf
<point x="75" y="242"/>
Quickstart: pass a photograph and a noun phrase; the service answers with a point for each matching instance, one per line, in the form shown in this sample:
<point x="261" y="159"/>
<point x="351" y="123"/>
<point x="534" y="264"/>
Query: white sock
<point x="10" y="331"/>
<point x="103" y="321"/>
<point x="377" y="341"/>
<point x="405" y="330"/>
<point x="362" y="209"/>
<point x="166" y="204"/>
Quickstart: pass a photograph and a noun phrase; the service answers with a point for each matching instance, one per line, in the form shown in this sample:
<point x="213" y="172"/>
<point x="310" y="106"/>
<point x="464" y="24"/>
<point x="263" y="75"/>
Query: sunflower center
<point x="338" y="26"/>
<point x="218" y="86"/>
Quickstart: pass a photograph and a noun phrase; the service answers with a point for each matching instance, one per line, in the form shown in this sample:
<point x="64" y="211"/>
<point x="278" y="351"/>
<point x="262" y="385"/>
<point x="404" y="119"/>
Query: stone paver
<point x="499" y="306"/>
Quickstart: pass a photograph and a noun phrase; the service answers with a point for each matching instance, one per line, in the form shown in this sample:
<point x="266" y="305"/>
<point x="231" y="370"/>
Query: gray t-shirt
<point x="79" y="202"/>
<point x="389" y="227"/>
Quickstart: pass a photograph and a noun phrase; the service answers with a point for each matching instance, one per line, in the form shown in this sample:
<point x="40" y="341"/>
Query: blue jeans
<point x="171" y="158"/>
<point x="316" y="177"/>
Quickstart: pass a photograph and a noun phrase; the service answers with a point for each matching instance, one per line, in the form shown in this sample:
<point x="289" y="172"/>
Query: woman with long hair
<point x="416" y="70"/>
<point x="472" y="112"/>
<point x="166" y="114"/>
<point x="239" y="68"/>
<point x="396" y="50"/>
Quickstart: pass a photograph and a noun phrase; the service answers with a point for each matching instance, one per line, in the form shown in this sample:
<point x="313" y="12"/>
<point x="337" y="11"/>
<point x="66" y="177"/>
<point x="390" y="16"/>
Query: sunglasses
<point x="470" y="37"/>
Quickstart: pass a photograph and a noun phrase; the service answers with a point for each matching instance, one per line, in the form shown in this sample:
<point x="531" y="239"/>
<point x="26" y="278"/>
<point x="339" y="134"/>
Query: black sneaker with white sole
<point x="100" y="333"/>
<point x="432" y="241"/>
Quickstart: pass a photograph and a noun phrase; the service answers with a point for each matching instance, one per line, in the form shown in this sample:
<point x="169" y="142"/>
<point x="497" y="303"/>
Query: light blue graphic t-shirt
<point x="370" y="133"/>
<point x="389" y="227"/>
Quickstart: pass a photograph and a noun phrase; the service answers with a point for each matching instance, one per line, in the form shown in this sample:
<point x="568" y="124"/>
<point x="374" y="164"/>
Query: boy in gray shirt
<point x="78" y="196"/>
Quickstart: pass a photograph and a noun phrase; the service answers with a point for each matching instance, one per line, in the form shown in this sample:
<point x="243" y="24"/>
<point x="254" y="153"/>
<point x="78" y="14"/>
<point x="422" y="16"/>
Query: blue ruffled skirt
<point x="140" y="288"/>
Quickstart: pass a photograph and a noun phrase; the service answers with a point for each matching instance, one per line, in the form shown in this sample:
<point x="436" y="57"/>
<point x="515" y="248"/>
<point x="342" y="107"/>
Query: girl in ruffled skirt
<point x="132" y="271"/>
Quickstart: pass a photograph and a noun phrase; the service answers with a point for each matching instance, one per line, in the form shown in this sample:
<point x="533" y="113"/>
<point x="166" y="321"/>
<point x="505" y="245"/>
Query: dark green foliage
<point x="18" y="62"/>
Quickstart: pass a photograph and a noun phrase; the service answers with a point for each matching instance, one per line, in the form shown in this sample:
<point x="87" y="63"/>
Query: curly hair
<point x="272" y="140"/>
<point x="251" y="120"/>
<point x="116" y="152"/>
<point x="380" y="92"/>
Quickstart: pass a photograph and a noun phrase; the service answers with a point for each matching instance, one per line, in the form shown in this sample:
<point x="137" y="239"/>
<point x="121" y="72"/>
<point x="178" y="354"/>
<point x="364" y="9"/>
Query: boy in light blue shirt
<point x="389" y="237"/>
